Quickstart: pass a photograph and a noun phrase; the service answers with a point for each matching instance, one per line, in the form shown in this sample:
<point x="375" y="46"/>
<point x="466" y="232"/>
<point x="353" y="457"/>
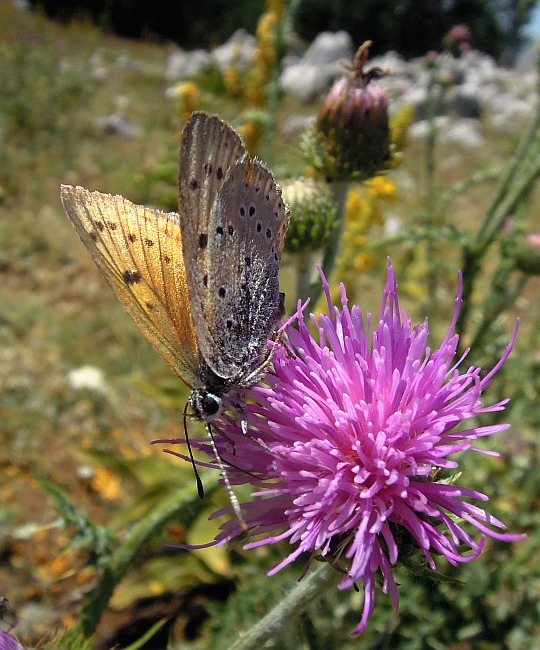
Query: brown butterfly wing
<point x="236" y="279"/>
<point x="208" y="150"/>
<point x="139" y="251"/>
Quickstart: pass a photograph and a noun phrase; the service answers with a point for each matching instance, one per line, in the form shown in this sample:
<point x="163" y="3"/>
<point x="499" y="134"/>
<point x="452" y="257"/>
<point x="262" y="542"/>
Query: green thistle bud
<point x="527" y="255"/>
<point x="352" y="132"/>
<point x="313" y="215"/>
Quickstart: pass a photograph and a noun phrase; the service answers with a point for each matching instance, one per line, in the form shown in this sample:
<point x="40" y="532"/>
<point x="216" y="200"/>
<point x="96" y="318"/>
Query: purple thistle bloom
<point x="8" y="641"/>
<point x="346" y="439"/>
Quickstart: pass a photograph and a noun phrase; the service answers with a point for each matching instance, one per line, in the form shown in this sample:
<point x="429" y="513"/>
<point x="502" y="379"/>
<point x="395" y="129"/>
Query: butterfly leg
<point x="260" y="370"/>
<point x="232" y="496"/>
<point x="243" y="418"/>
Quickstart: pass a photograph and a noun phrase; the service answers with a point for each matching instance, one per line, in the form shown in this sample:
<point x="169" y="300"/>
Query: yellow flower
<point x="251" y="132"/>
<point x="399" y="127"/>
<point x="232" y="78"/>
<point x="266" y="55"/>
<point x="232" y="82"/>
<point x="188" y="98"/>
<point x="382" y="187"/>
<point x="364" y="213"/>
<point x="277" y="7"/>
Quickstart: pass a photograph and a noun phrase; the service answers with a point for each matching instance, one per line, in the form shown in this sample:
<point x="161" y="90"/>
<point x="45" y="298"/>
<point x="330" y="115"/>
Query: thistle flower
<point x="346" y="441"/>
<point x="458" y="39"/>
<point x="8" y="641"/>
<point x="352" y="128"/>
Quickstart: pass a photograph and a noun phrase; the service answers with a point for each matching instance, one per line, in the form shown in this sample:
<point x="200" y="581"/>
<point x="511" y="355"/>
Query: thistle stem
<point x="339" y="191"/>
<point x="430" y="219"/>
<point x="303" y="594"/>
<point x="303" y="273"/>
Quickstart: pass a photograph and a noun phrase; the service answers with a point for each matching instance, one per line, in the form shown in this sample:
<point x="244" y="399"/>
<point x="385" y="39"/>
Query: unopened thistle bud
<point x="313" y="215"/>
<point x="352" y="130"/>
<point x="527" y="254"/>
<point x="458" y="40"/>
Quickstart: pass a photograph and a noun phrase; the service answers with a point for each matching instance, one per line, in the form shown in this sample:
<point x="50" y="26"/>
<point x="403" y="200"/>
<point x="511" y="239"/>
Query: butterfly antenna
<point x="200" y="486"/>
<point x="232" y="496"/>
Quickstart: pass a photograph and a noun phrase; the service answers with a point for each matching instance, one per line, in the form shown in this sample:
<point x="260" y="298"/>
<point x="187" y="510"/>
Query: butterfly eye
<point x="210" y="404"/>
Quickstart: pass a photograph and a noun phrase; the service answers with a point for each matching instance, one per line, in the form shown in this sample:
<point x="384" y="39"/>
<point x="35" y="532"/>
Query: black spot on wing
<point x="131" y="276"/>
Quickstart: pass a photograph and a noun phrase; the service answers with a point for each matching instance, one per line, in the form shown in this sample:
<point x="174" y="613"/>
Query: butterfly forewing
<point x="139" y="251"/>
<point x="209" y="148"/>
<point x="237" y="301"/>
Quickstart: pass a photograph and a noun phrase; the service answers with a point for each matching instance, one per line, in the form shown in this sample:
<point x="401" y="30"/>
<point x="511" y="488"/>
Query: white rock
<point x="420" y="129"/>
<point x="295" y="124"/>
<point x="320" y="66"/>
<point x="119" y="124"/>
<point x="464" y="132"/>
<point x="182" y="65"/>
<point x="329" y="47"/>
<point x="87" y="378"/>
<point x="237" y="52"/>
<point x="390" y="62"/>
<point x="305" y="81"/>
<point x="124" y="62"/>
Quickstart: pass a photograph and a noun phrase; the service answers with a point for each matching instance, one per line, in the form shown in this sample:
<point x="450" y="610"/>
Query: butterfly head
<point x="204" y="404"/>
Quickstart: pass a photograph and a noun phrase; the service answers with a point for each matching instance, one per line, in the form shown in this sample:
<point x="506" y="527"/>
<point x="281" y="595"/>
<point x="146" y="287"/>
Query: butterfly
<point x="202" y="284"/>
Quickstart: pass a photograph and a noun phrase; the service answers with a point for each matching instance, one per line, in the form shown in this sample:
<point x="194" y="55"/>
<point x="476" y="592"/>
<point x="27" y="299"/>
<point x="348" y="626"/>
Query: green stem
<point x="339" y="191"/>
<point x="431" y="141"/>
<point x="503" y="299"/>
<point x="528" y="139"/>
<point x="473" y="254"/>
<point x="523" y="169"/>
<point x="303" y="594"/>
<point x="430" y="171"/>
<point x="177" y="506"/>
<point x="303" y="273"/>
<point x="507" y="204"/>
<point x="470" y="268"/>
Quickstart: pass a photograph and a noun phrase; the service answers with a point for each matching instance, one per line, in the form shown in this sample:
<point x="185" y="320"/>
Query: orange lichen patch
<point x="69" y="621"/>
<point x="108" y="485"/>
<point x="60" y="567"/>
<point x="33" y="592"/>
<point x="85" y="576"/>
<point x="7" y="493"/>
<point x="11" y="471"/>
<point x="56" y="589"/>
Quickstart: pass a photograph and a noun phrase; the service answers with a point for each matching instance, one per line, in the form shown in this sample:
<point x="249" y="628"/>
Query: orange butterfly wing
<point x="139" y="251"/>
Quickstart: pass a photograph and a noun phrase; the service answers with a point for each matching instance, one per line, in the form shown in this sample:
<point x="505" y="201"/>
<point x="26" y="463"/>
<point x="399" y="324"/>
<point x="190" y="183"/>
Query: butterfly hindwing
<point x="237" y="302"/>
<point x="139" y="251"/>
